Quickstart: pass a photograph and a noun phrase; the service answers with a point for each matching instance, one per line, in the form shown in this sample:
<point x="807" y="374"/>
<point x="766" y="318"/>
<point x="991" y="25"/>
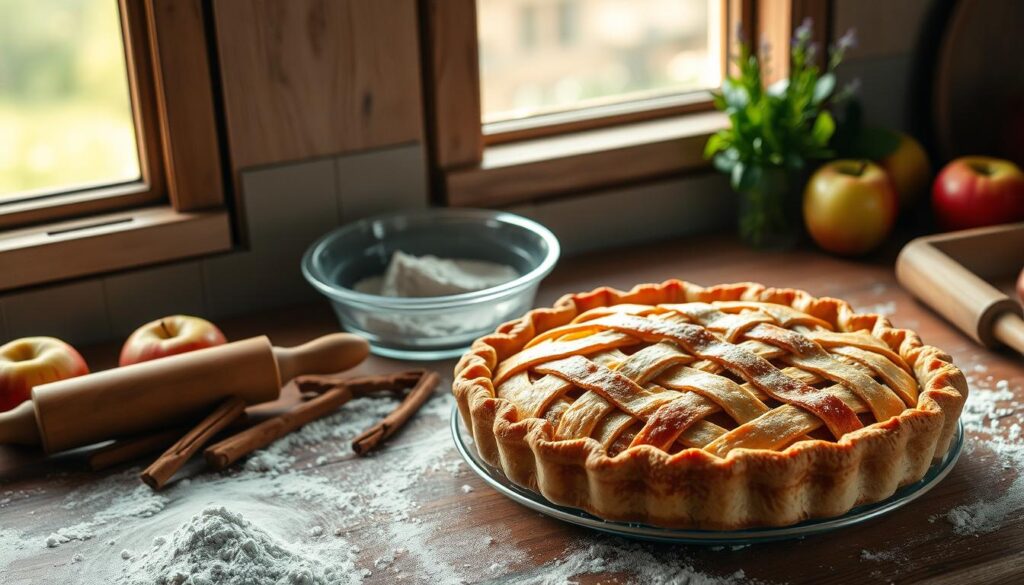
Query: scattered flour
<point x="305" y="512"/>
<point x="886" y="309"/>
<point x="994" y="415"/>
<point x="635" y="560"/>
<point x="117" y="504"/>
<point x="12" y="545"/>
<point x="879" y="556"/>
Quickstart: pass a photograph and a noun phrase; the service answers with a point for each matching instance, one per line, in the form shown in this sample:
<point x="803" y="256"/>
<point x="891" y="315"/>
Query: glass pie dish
<point x="858" y="515"/>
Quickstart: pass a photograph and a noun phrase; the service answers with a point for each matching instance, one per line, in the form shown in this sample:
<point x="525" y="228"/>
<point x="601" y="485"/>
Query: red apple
<point x="169" y="336"/>
<point x="33" y="361"/>
<point x="849" y="206"/>
<point x="975" y="191"/>
<point x="909" y="170"/>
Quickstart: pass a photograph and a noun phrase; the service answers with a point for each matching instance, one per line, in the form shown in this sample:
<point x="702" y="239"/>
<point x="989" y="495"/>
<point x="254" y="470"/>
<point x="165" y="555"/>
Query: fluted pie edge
<point x="693" y="488"/>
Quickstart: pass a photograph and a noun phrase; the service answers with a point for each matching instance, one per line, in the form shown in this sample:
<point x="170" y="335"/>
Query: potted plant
<point x="773" y="134"/>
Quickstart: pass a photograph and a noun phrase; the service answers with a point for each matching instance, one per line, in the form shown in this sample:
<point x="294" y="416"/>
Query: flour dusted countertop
<point x="413" y="513"/>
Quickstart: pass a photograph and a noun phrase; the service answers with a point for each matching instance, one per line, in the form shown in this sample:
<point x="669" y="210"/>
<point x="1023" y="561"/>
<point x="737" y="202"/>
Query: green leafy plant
<point x="784" y="125"/>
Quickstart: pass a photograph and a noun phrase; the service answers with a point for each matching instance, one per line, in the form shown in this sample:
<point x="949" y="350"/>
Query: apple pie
<point x="727" y="407"/>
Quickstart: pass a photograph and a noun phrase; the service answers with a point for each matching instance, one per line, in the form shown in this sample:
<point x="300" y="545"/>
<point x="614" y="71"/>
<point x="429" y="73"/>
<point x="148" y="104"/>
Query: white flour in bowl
<point x="410" y="276"/>
<point x="429" y="276"/>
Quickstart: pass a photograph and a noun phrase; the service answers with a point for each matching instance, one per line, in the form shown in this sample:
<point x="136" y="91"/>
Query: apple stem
<point x="981" y="168"/>
<point x="167" y="332"/>
<point x="863" y="166"/>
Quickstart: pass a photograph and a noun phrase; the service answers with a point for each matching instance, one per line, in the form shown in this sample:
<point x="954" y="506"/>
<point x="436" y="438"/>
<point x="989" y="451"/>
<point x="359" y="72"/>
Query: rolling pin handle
<point x="18" y="425"/>
<point x="1009" y="328"/>
<point x="325" y="355"/>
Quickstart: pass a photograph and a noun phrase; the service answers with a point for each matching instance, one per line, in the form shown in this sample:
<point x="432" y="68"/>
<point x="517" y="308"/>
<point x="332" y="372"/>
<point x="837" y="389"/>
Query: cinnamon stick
<point x="226" y="452"/>
<point x="164" y="468"/>
<point x="132" y="448"/>
<point x="370" y="438"/>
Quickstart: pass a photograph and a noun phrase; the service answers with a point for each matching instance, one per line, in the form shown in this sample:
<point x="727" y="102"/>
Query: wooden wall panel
<point x="455" y="77"/>
<point x="306" y="78"/>
<point x="185" y="99"/>
<point x="776" y="21"/>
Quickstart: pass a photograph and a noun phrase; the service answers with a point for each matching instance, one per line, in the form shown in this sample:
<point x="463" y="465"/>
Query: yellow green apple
<point x="849" y="206"/>
<point x="32" y="361"/>
<point x="909" y="171"/>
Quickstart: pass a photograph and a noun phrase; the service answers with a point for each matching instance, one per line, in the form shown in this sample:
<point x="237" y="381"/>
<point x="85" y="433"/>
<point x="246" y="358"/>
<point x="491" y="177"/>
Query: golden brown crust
<point x="693" y="488"/>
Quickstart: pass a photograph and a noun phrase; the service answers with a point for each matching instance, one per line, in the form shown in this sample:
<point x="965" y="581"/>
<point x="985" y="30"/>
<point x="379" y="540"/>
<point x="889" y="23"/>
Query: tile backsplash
<point x="143" y="295"/>
<point x="73" y="311"/>
<point x="286" y="209"/>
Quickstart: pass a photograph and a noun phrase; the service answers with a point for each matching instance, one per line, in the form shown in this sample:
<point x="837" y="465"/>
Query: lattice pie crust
<point x="726" y="407"/>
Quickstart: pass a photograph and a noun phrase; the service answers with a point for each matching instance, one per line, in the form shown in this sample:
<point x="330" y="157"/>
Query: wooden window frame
<point x="178" y="209"/>
<point x="471" y="168"/>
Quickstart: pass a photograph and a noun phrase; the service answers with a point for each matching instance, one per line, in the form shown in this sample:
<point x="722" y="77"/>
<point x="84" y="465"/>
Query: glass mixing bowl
<point x="430" y="328"/>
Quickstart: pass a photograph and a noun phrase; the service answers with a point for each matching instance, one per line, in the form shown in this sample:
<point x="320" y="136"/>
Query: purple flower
<point x="847" y="41"/>
<point x="803" y="32"/>
<point x="848" y="91"/>
<point x="812" y="51"/>
<point x="740" y="33"/>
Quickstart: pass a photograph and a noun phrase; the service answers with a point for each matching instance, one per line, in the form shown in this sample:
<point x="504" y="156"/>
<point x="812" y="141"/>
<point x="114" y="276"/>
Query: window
<point x="64" y="100"/>
<point x="527" y="27"/>
<point x="109" y="154"/>
<point x="568" y="23"/>
<point x="78" y="111"/>
<point x="611" y="92"/>
<point x="586" y="53"/>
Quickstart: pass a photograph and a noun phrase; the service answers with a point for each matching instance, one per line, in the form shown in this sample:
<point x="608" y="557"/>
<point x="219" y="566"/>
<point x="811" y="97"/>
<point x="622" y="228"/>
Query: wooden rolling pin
<point x="973" y="305"/>
<point x="170" y="391"/>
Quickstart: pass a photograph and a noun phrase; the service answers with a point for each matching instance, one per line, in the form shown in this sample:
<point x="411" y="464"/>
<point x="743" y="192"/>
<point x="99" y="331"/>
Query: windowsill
<point x="107" y="242"/>
<point x="592" y="159"/>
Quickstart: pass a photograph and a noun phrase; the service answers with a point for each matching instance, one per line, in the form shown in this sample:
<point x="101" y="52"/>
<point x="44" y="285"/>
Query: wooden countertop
<point x="911" y="545"/>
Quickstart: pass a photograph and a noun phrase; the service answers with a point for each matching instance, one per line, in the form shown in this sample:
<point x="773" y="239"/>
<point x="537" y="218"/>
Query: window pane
<point x="65" y="111"/>
<point x="540" y="56"/>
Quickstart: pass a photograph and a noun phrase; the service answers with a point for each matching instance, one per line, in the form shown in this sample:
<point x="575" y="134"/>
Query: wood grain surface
<point x="184" y="96"/>
<point x="454" y="86"/>
<point x="309" y="78"/>
<point x="912" y="545"/>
